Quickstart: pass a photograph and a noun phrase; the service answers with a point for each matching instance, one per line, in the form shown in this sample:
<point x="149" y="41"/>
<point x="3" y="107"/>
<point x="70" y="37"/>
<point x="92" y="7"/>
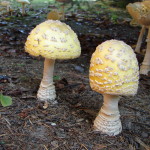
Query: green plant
<point x="122" y="3"/>
<point x="56" y="78"/>
<point x="114" y="17"/>
<point x="5" y="100"/>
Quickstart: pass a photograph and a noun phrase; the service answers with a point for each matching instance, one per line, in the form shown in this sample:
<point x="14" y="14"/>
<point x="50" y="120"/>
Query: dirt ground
<point x="66" y="125"/>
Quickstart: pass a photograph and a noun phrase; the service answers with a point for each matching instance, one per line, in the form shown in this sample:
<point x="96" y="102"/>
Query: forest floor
<point x="66" y="125"/>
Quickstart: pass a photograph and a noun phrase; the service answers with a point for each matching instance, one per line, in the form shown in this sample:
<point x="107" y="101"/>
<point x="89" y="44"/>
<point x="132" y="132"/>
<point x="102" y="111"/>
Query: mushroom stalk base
<point x="145" y="67"/>
<point x="46" y="91"/>
<point x="108" y="119"/>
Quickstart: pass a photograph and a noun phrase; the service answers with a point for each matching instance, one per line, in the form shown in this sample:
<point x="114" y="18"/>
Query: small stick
<point x="137" y="139"/>
<point x="45" y="147"/>
<point x="84" y="146"/>
<point x="3" y="135"/>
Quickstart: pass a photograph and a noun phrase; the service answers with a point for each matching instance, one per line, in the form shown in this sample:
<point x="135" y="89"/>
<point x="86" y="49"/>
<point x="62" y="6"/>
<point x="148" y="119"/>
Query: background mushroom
<point x="113" y="72"/>
<point x="23" y="3"/>
<point x="52" y="39"/>
<point x="54" y="15"/>
<point x="6" y="4"/>
<point x="140" y="11"/>
<point x="63" y="7"/>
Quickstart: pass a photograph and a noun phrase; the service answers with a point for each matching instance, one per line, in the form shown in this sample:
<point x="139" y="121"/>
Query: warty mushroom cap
<point x="146" y="3"/>
<point x="140" y="11"/>
<point x="4" y="3"/>
<point x="23" y="1"/>
<point x="114" y="69"/>
<point x="53" y="39"/>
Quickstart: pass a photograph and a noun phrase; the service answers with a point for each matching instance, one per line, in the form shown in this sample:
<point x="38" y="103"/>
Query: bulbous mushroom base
<point x="108" y="119"/>
<point x="47" y="93"/>
<point x="144" y="69"/>
<point x="109" y="127"/>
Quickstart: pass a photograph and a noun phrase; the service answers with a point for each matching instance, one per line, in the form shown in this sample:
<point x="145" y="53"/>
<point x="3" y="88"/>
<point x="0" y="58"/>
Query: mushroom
<point x="6" y="4"/>
<point x="140" y="11"/>
<point x="11" y="11"/>
<point x="52" y="39"/>
<point x="63" y="7"/>
<point x="23" y="2"/>
<point x="53" y="15"/>
<point x="113" y="72"/>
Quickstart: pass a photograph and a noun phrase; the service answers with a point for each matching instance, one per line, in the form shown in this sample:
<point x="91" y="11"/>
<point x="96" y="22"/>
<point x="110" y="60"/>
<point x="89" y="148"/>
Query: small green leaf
<point x="56" y="78"/>
<point x="5" y="100"/>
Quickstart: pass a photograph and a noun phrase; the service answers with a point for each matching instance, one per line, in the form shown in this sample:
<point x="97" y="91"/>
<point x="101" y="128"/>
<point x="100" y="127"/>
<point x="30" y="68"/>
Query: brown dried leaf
<point x="99" y="147"/>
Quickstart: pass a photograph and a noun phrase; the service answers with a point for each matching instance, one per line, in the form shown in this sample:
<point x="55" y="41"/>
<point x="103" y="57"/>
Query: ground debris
<point x="67" y="125"/>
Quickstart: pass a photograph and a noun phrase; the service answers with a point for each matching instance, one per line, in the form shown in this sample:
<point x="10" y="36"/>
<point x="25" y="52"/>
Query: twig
<point x="30" y="122"/>
<point x="28" y="97"/>
<point x="84" y="146"/>
<point x="137" y="139"/>
<point x="45" y="147"/>
<point x="3" y="135"/>
<point x="8" y="125"/>
<point x="7" y="121"/>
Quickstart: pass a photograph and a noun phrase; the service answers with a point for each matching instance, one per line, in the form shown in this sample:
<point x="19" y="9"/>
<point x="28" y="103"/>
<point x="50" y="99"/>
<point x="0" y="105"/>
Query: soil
<point x="67" y="125"/>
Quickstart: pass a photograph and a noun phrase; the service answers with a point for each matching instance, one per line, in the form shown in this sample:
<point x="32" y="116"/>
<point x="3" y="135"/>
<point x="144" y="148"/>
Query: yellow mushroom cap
<point x="54" y="40"/>
<point x="140" y="11"/>
<point x="114" y="69"/>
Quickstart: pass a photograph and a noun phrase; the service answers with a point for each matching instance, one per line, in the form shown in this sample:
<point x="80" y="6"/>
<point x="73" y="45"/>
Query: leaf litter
<point x="68" y="124"/>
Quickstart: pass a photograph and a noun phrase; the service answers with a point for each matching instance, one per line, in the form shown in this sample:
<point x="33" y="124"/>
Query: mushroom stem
<point x="46" y="91"/>
<point x="63" y="12"/>
<point x="23" y="9"/>
<point x="8" y="8"/>
<point x="108" y="119"/>
<point x="145" y="67"/>
<point x="139" y="42"/>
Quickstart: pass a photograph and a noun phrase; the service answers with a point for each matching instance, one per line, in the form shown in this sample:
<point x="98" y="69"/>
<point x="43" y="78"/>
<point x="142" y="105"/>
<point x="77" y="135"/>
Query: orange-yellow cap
<point x="114" y="69"/>
<point x="140" y="11"/>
